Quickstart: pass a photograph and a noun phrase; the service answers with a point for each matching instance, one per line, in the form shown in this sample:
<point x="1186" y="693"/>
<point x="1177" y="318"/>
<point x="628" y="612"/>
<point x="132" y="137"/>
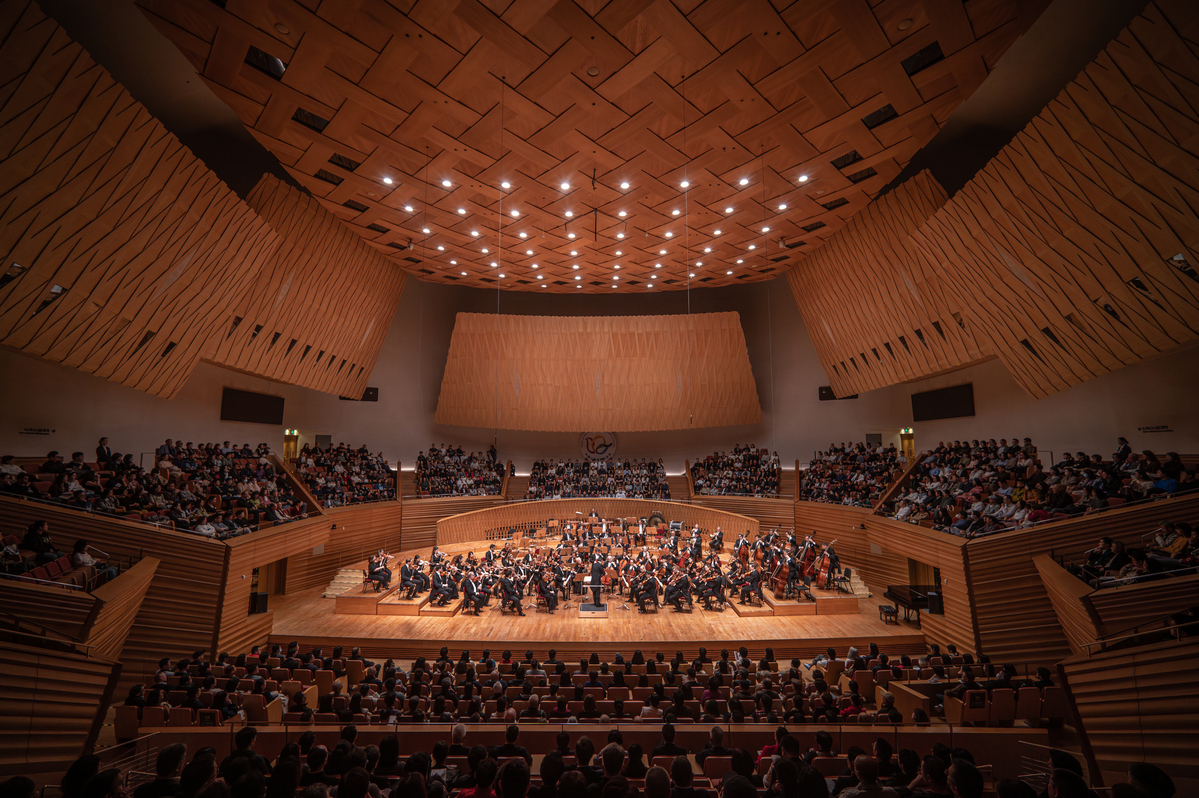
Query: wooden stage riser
<point x="997" y="747"/>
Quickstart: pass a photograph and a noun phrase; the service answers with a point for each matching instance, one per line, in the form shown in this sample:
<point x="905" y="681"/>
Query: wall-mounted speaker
<point x="258" y="602"/>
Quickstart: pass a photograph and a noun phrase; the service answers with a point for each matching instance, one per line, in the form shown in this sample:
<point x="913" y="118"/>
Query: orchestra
<point x="611" y="555"/>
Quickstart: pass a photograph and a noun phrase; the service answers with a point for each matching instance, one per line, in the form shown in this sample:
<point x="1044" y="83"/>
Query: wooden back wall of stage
<point x="493" y="523"/>
<point x="617" y="373"/>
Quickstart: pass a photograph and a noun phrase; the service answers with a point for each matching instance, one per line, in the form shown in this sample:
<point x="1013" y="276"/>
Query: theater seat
<point x="126" y="723"/>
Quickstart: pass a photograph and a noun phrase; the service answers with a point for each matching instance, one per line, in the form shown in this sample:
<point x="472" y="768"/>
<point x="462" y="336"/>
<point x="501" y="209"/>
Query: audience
<point x="627" y="479"/>
<point x="855" y="476"/>
<point x="212" y="490"/>
<point x="747" y="471"/>
<point x="341" y="475"/>
<point x="450" y="471"/>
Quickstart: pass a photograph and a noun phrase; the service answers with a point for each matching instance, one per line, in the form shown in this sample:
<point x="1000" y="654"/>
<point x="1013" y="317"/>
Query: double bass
<point x="823" y="564"/>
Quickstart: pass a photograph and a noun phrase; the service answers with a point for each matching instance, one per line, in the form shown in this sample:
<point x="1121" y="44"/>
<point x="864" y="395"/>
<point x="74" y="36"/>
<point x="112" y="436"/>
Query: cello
<point x="825" y="562"/>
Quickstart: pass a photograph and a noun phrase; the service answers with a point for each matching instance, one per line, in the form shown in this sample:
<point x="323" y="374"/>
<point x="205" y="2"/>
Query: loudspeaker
<point x="258" y="603"/>
<point x="936" y="605"/>
<point x="826" y="394"/>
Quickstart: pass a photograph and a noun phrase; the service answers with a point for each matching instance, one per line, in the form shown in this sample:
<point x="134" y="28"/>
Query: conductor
<point x="597" y="585"/>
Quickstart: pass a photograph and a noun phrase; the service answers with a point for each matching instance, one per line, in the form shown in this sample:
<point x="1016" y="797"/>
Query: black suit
<point x="511" y="750"/>
<point x="669" y="749"/>
<point x="472" y="593"/>
<point x="711" y="750"/>
<point x="597" y="585"/>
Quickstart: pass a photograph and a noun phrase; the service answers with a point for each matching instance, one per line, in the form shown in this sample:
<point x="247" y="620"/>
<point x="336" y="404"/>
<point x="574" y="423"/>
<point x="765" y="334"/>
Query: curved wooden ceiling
<point x="737" y="99"/>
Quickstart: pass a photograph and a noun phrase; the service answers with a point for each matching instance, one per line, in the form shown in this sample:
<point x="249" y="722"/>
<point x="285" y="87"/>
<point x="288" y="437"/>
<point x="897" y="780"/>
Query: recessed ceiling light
<point x="730" y="271"/>
<point x="501" y="276"/>
<point x="516" y="213"/>
<point x="578" y="286"/>
<point x="474" y="232"/>
<point x="904" y="24"/>
<point x="618" y="252"/>
<point x="279" y="26"/>
<point x="453" y="263"/>
<point x="684" y="184"/>
<point x="387" y="181"/>
<point x="820" y="191"/>
<point x="653" y="277"/>
<point x="803" y="178"/>
<point x="622" y="213"/>
<point x="524" y="235"/>
<point x="707" y="249"/>
<point x="505" y="184"/>
<point x="425" y="230"/>
<point x="616" y="277"/>
<point x="715" y="232"/>
<point x="614" y="285"/>
<point x="408" y="208"/>
<point x="651" y="285"/>
<point x="661" y="252"/>
<point x="657" y="265"/>
<point x="616" y="266"/>
<point x="543" y="285"/>
<point x="699" y="263"/>
<point x="624" y="186"/>
<point x="577" y="277"/>
<point x="462" y="210"/>
<point x="573" y="253"/>
<point x="745" y="181"/>
<point x="728" y="210"/>
<point x="463" y="274"/>
<point x="741" y="261"/>
<point x="530" y="252"/>
<point x="566" y="186"/>
<point x="753" y="246"/>
<point x="620" y="235"/>
<point x="765" y="229"/>
<point x="540" y="276"/>
<point x="575" y="266"/>
<point x="569" y="214"/>
<point x="669" y="234"/>
<point x="692" y="274"/>
<point x="674" y="213"/>
<point x="494" y="264"/>
<point x="570" y="235"/>
<point x="783" y="207"/>
<point x="445" y="183"/>
<point x="441" y="249"/>
<point x="485" y="251"/>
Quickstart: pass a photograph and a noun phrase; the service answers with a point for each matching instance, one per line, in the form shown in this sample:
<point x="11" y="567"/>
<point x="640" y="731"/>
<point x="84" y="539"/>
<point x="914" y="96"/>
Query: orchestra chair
<point x="542" y="605"/>
<point x="805" y="591"/>
<point x="1002" y="707"/>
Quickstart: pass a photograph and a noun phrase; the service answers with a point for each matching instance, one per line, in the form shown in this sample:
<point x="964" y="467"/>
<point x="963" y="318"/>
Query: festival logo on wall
<point x="597" y="445"/>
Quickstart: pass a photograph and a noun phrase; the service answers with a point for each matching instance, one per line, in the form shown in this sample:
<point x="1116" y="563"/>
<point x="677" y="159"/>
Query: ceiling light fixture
<point x="618" y="252"/>
<point x="505" y="184"/>
<point x="624" y="186"/>
<point x="740" y="261"/>
<point x="453" y="263"/>
<point x="425" y="230"/>
<point x="485" y="251"/>
<point x="765" y="229"/>
<point x="651" y="285"/>
<point x="515" y="213"/>
<point x="730" y="271"/>
<point x="462" y="210"/>
<point x="803" y="178"/>
<point x="617" y="266"/>
<point x="387" y="181"/>
<point x="474" y="232"/>
<point x="543" y="285"/>
<point x="577" y="277"/>
<point x="661" y="252"/>
<point x="620" y="235"/>
<point x="566" y="186"/>
<point x="570" y="235"/>
<point x="575" y="266"/>
<point x="715" y="232"/>
<point x="684" y="184"/>
<point x="573" y="253"/>
<point x="707" y="249"/>
<point x="463" y="274"/>
<point x="616" y="277"/>
<point x="530" y="252"/>
<point x="446" y="183"/>
<point x="728" y="210"/>
<point x="783" y="207"/>
<point x="753" y="246"/>
<point x="699" y="263"/>
<point x="569" y="214"/>
<point x="692" y="274"/>
<point x="441" y="249"/>
<point x="408" y="208"/>
<point x="578" y="286"/>
<point x="524" y="235"/>
<point x="501" y="276"/>
<point x="669" y="234"/>
<point x="674" y="213"/>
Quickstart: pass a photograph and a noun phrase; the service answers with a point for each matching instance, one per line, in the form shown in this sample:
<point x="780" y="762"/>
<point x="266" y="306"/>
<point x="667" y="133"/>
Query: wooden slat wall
<point x="1016" y="621"/>
<point x="1139" y="704"/>
<point x="421" y="517"/>
<point x="52" y="701"/>
<point x="120" y="602"/>
<point x="580" y="373"/>
<point x="151" y="251"/>
<point x="318" y="310"/>
<point x="895" y="321"/>
<point x="1062" y="250"/>
<point x="361" y="529"/>
<point x="494" y="522"/>
<point x="770" y="513"/>
<point x="239" y="630"/>
<point x="412" y="92"/>
<point x="1120" y="608"/>
<point x="1069" y="596"/>
<point x="68" y="612"/>
<point x="181" y="610"/>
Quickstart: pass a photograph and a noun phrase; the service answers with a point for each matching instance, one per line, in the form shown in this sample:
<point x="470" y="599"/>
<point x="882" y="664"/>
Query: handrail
<point x="44" y="629"/>
<point x="1124" y="633"/>
<point x="50" y="582"/>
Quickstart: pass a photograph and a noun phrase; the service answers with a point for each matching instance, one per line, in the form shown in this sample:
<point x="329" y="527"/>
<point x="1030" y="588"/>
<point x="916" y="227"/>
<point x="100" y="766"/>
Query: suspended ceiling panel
<point x="593" y="147"/>
<point x="578" y="374"/>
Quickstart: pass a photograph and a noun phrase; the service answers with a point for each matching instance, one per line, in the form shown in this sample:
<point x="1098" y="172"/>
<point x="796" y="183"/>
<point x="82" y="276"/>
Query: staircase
<point x="517" y="486"/>
<point x="678" y="488"/>
<point x="345" y="579"/>
<point x="407" y="486"/>
<point x="787" y="483"/>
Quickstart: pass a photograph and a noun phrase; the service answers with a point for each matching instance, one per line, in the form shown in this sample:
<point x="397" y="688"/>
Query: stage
<point x="389" y="625"/>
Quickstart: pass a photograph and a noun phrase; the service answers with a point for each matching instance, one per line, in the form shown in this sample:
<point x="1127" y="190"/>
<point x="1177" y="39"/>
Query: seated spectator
<point x="450" y="471"/>
<point x="747" y="471"/>
<point x="341" y="475"/>
<point x="631" y="479"/>
<point x="858" y="476"/>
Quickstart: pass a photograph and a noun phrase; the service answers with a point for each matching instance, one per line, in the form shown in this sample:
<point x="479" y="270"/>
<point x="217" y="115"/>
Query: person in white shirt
<point x="204" y="528"/>
<point x="81" y="559"/>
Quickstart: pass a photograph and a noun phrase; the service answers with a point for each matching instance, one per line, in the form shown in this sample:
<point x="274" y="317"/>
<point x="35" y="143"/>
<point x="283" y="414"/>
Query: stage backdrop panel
<point x="618" y="373"/>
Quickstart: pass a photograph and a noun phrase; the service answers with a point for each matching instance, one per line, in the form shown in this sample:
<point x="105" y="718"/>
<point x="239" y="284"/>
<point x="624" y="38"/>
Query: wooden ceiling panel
<point x="544" y="93"/>
<point x="637" y="373"/>
<point x="1075" y="251"/>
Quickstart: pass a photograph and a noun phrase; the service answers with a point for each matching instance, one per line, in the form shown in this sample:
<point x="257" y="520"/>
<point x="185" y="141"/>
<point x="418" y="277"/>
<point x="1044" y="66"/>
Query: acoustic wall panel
<point x="622" y="373"/>
<point x="1075" y="252"/>
<point x="874" y="309"/>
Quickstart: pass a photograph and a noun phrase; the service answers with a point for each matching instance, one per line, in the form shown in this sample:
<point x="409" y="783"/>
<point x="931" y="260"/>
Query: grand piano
<point x="912" y="598"/>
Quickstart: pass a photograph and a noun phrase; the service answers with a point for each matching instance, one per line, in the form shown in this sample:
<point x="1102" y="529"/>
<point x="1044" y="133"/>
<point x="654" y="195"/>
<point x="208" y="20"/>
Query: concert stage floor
<point x="310" y="619"/>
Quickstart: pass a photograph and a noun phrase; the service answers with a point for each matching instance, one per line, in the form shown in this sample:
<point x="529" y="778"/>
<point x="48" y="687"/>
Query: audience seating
<point x="746" y="471"/>
<point x="855" y="476"/>
<point x="564" y="479"/>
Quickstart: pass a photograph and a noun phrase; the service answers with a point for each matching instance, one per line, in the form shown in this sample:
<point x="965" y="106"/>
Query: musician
<point x="752" y="585"/>
<point x="418" y="574"/>
<point x="565" y="578"/>
<point x="713" y="590"/>
<point x="510" y="594"/>
<point x="678" y="590"/>
<point x="594" y="515"/>
<point x="740" y="544"/>
<point x="378" y="571"/>
<point x="717" y="540"/>
<point x="639" y="538"/>
<point x="436" y="557"/>
<point x="597" y="576"/>
<point x="474" y="599"/>
<point x="441" y="591"/>
<point x="794" y="572"/>
<point x="697" y="545"/>
<point x="407" y="580"/>
<point x="548" y="591"/>
<point x="647" y="589"/>
<point x="491" y="555"/>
